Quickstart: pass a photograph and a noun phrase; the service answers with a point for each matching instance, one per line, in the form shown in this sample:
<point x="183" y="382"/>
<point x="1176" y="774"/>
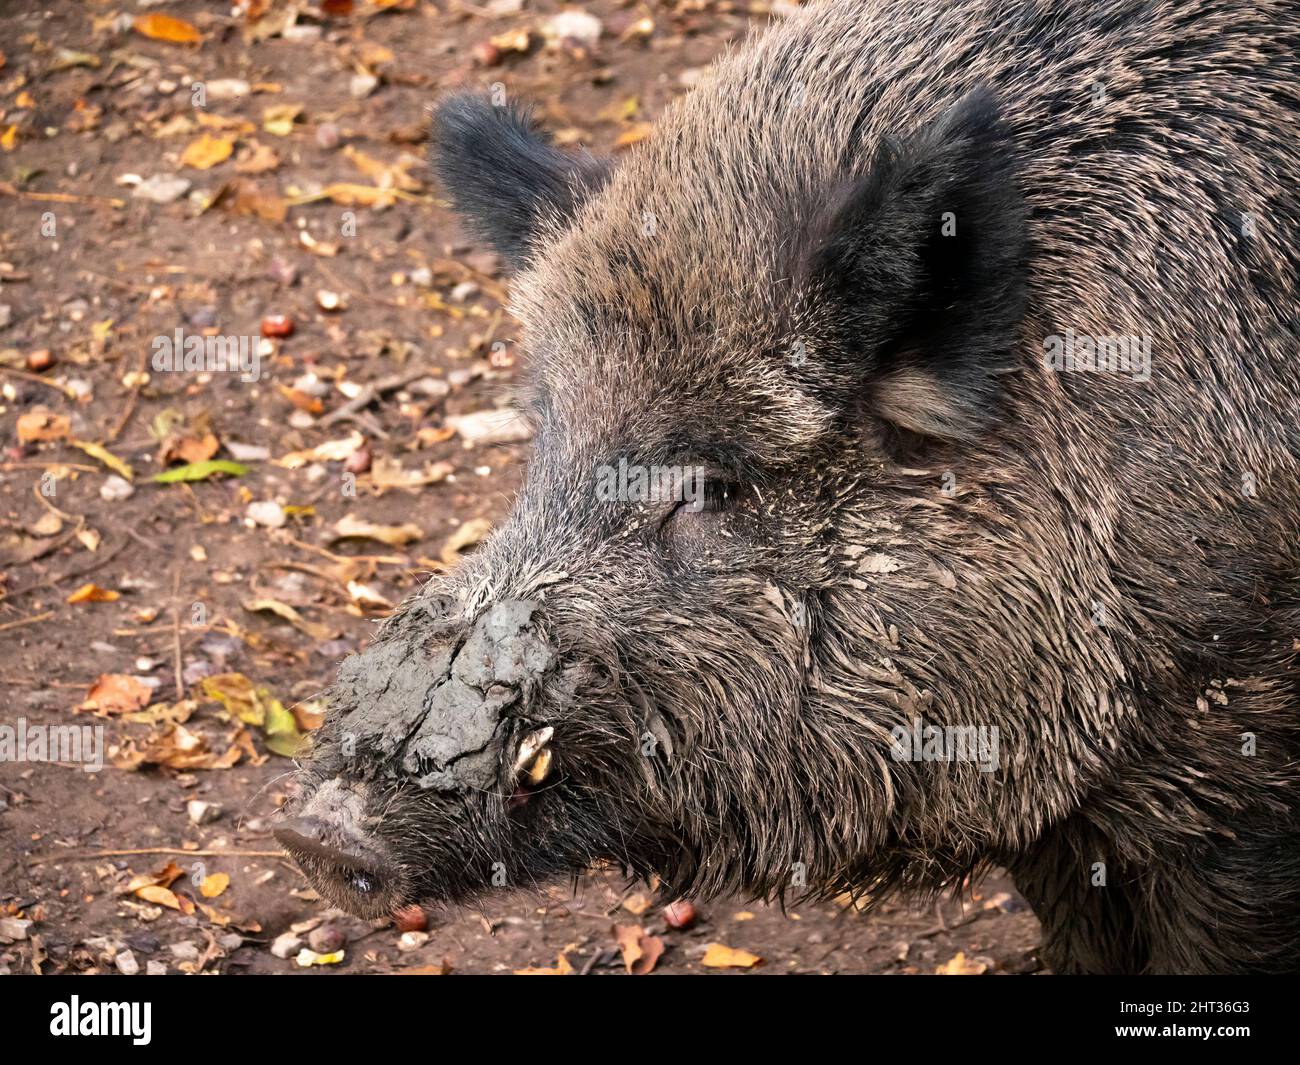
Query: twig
<point x="27" y="621"/>
<point x="176" y="633"/>
<point x="58" y="197"/>
<point x="38" y="379"/>
<point x="79" y="467"/>
<point x="92" y="855"/>
<point x="370" y="392"/>
<point x="130" y="403"/>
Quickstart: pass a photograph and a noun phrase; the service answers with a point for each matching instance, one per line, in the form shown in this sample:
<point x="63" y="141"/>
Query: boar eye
<point x="708" y="495"/>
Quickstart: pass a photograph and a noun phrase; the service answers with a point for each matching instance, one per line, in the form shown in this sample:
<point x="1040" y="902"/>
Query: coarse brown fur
<point x="922" y="520"/>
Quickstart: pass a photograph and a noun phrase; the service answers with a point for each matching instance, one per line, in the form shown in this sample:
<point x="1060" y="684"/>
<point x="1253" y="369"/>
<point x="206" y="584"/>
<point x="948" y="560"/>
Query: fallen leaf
<point x="256" y="159"/>
<point x="384" y="175"/>
<point x="159" y="896"/>
<point x="717" y="956"/>
<point x="330" y="451"/>
<point x="115" y="693"/>
<point x="167" y="28"/>
<point x="279" y="118"/>
<point x="93" y="593"/>
<point x="307" y="958"/>
<point x="350" y="527"/>
<point x="189" y="449"/>
<point x="98" y="451"/>
<point x="960" y="965"/>
<point x="245" y="198"/>
<point x="640" y="951"/>
<point x="237" y="694"/>
<point x="282" y="736"/>
<point x="562" y="968"/>
<point x="179" y="748"/>
<point x="388" y="473"/>
<point x="207" y="152"/>
<point x="289" y="614"/>
<point x="39" y="425"/>
<point x="48" y="524"/>
<point x="214" y="885"/>
<point x="164" y="877"/>
<point x="200" y="471"/>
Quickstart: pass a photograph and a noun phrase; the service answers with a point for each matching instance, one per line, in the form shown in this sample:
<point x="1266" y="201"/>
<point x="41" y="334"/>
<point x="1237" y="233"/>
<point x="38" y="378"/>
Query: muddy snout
<point x="441" y="711"/>
<point x="340" y="855"/>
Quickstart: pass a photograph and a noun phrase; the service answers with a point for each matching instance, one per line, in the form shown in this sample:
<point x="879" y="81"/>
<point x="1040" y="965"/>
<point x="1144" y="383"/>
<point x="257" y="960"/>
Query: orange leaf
<point x="39" y="425"/>
<point x="562" y="968"/>
<point x="717" y="956"/>
<point x="161" y="896"/>
<point x="207" y="152"/>
<point x="116" y="693"/>
<point x="960" y="965"/>
<point x="93" y="593"/>
<point x="167" y="28"/>
<point x="214" y="885"/>
<point x="640" y="951"/>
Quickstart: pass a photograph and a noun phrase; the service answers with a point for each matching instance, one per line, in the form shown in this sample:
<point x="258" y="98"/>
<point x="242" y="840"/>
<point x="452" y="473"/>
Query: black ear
<point x="503" y="174"/>
<point x="922" y="260"/>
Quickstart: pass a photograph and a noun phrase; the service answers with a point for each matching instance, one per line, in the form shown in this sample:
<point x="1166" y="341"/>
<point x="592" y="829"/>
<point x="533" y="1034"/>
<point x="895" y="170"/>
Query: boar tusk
<point x="529" y="759"/>
<point x="540" y="768"/>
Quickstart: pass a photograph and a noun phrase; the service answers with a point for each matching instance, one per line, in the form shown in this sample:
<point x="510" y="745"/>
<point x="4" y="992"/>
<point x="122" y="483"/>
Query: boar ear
<point x="504" y="175"/>
<point x="922" y="259"/>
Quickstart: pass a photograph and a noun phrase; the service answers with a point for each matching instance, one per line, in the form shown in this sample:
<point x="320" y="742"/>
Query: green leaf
<point x="201" y="471"/>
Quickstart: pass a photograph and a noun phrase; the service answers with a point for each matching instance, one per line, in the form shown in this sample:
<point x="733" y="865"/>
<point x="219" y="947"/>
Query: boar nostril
<point x="310" y="841"/>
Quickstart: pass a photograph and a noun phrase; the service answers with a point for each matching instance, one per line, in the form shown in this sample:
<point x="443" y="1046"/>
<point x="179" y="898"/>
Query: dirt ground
<point x="193" y="622"/>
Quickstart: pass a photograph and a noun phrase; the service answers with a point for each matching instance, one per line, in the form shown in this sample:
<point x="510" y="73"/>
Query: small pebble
<point x="327" y="136"/>
<point x="286" y="945"/>
<point x="277" y="325"/>
<point x="162" y="188"/>
<point x="362" y="85"/>
<point x="326" y="939"/>
<point x="202" y="813"/>
<point x="226" y="88"/>
<point x="115" y="489"/>
<point x="126" y="963"/>
<point x="247" y="452"/>
<point x="184" y="951"/>
<point x="13" y="928"/>
<point x="359" y="461"/>
<point x="267" y="513"/>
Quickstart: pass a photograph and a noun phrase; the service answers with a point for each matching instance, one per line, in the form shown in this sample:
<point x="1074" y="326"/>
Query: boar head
<point x="697" y="682"/>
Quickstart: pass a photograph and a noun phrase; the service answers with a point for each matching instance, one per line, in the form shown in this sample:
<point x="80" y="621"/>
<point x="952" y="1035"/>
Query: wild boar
<point x="947" y="355"/>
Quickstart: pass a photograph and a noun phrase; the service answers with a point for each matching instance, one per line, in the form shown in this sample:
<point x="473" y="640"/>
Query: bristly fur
<point x="929" y="522"/>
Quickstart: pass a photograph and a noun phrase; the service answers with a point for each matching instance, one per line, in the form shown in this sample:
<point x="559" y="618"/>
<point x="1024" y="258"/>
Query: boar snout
<point x="439" y="734"/>
<point x="342" y="858"/>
